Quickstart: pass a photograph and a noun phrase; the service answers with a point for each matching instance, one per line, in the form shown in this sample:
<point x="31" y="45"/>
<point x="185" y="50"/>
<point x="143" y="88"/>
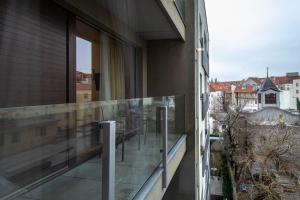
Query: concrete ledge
<point x="152" y="189"/>
<point x="171" y="12"/>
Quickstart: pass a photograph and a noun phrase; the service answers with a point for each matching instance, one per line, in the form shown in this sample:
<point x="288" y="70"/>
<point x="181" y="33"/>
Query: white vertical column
<point x="108" y="159"/>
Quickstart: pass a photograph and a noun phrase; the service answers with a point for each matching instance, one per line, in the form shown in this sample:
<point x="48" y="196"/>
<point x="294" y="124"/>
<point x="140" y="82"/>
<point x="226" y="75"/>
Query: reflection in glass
<point x="83" y="70"/>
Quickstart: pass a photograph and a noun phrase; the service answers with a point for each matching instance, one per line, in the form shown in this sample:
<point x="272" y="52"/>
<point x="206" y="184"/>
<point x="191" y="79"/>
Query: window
<point x="297" y="91"/>
<point x="270" y="98"/>
<point x="106" y="68"/>
<point x="15" y="137"/>
<point x="259" y="98"/>
<point x="200" y="31"/>
<point x="1" y="139"/>
<point x="86" y="96"/>
<point x="297" y="84"/>
<point x="43" y="132"/>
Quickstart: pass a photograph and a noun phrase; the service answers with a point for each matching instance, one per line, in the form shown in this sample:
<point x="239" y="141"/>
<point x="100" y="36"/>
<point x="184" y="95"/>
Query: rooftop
<point x="268" y="84"/>
<point x="247" y="89"/>
<point x="219" y="86"/>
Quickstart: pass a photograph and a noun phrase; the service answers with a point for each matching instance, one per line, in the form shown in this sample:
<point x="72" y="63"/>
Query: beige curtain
<point x="117" y="69"/>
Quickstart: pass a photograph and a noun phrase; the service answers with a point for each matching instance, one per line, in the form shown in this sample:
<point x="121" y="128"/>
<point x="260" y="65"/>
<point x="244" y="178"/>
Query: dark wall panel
<point x="33" y="53"/>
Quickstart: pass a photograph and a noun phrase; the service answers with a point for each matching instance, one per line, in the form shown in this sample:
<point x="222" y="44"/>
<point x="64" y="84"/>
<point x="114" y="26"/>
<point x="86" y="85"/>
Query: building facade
<point x="295" y="93"/>
<point x="246" y="97"/>
<point x="67" y="65"/>
<point x="286" y="84"/>
<point x="245" y="93"/>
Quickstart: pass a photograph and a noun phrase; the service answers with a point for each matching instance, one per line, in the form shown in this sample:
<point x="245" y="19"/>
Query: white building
<point x="216" y="101"/>
<point x="295" y="93"/>
<point x="289" y="91"/>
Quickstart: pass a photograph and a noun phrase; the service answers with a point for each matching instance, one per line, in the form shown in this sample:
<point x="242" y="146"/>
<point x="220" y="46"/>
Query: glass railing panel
<point x="176" y="119"/>
<point x="55" y="151"/>
<point x="141" y="154"/>
<point x="41" y="143"/>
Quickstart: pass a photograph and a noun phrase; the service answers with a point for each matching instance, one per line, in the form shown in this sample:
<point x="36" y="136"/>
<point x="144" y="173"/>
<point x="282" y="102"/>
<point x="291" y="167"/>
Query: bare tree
<point x="273" y="152"/>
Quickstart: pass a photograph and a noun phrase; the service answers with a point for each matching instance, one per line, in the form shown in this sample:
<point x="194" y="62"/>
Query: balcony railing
<point x="205" y="154"/>
<point x="57" y="151"/>
<point x="205" y="104"/>
<point x="205" y="61"/>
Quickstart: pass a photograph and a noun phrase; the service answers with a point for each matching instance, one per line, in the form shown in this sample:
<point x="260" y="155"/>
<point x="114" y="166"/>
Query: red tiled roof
<point x="257" y="80"/>
<point x="247" y="89"/>
<point x="226" y="86"/>
<point x="220" y="86"/>
<point x="278" y="80"/>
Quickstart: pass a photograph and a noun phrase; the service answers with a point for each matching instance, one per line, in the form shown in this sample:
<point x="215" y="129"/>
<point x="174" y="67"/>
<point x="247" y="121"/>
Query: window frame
<point x="270" y="98"/>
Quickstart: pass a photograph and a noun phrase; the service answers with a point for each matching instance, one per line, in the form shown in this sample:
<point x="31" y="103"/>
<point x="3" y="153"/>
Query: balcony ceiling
<point x="144" y="17"/>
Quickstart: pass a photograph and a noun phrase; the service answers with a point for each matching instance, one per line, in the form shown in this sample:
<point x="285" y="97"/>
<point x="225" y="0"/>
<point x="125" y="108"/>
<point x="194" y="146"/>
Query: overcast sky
<point x="246" y="36"/>
<point x="83" y="55"/>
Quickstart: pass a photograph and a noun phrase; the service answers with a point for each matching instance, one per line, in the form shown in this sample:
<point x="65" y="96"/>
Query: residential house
<point x="286" y="84"/>
<point x="217" y="95"/>
<point x="246" y="97"/>
<point x="268" y="94"/>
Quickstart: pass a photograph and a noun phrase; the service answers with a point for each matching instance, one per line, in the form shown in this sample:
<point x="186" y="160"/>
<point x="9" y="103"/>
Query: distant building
<point x="246" y="97"/>
<point x="218" y="95"/>
<point x="251" y="93"/>
<point x="290" y="91"/>
<point x="83" y="92"/>
<point x="288" y="86"/>
<point x="268" y="94"/>
<point x="83" y="87"/>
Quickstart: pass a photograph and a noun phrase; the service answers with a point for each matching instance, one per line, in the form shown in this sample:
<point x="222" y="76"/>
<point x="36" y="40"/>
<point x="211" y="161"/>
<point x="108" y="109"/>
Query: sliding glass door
<point x="106" y="68"/>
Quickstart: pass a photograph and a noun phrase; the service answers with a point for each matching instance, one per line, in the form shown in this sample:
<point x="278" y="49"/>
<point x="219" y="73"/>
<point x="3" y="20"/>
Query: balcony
<point x="180" y="8"/>
<point x="60" y="151"/>
<point x="205" y="104"/>
<point x="129" y="18"/>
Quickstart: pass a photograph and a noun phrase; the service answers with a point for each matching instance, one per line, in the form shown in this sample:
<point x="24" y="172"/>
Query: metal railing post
<point x="108" y="159"/>
<point x="164" y="135"/>
<point x="158" y="120"/>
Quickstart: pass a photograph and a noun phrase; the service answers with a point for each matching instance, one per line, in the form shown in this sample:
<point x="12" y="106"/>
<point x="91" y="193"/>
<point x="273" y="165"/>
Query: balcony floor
<point x="84" y="181"/>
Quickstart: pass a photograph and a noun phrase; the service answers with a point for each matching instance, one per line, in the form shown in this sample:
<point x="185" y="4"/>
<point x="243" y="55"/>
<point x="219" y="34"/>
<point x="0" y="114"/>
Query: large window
<point x="259" y="98"/>
<point x="270" y="98"/>
<point x="106" y="68"/>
